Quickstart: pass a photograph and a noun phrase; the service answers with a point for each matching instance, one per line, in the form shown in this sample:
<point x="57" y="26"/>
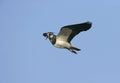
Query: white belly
<point x="62" y="44"/>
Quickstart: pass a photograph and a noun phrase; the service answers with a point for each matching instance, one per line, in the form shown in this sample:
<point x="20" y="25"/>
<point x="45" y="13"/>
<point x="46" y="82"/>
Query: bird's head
<point x="48" y="35"/>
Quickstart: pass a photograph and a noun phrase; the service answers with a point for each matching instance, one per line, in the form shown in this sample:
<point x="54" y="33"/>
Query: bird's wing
<point x="68" y="32"/>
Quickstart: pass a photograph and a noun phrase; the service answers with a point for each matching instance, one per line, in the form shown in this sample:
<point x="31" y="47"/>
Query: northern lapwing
<point x="66" y="34"/>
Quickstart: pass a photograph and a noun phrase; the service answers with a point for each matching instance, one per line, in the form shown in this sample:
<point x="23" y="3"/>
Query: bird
<point x="66" y="34"/>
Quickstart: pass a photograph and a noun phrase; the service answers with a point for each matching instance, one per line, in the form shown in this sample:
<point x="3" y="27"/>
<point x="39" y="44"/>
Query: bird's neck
<point x="52" y="39"/>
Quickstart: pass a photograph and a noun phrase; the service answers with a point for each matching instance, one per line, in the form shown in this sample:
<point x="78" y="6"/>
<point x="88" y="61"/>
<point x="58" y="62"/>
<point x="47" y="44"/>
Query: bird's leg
<point x="73" y="51"/>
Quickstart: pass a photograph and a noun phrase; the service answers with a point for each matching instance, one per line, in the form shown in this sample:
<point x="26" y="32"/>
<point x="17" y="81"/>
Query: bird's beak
<point x="45" y="35"/>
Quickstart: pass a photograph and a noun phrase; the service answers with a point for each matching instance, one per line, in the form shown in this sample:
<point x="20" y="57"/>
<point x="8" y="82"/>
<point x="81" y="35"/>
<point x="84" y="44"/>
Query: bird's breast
<point x="62" y="44"/>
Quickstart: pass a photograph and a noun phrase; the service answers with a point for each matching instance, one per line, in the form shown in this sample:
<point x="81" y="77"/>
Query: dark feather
<point x="70" y="31"/>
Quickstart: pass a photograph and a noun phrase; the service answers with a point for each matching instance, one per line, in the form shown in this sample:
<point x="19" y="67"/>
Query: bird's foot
<point x="73" y="51"/>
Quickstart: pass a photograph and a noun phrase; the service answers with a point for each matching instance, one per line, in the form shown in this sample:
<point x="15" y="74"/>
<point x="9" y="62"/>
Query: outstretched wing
<point x="68" y="32"/>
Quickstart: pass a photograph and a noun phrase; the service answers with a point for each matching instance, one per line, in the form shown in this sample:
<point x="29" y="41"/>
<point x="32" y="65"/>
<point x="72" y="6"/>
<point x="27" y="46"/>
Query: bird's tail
<point x="74" y="48"/>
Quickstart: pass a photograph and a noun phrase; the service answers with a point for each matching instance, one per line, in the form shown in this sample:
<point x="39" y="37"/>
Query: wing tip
<point x="88" y="22"/>
<point x="88" y="25"/>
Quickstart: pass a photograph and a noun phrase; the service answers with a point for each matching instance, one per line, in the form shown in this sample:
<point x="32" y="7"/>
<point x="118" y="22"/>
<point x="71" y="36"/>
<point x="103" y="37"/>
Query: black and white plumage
<point x="66" y="34"/>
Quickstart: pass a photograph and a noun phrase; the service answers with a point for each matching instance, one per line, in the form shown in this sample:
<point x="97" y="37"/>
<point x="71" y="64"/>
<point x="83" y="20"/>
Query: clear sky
<point x="26" y="57"/>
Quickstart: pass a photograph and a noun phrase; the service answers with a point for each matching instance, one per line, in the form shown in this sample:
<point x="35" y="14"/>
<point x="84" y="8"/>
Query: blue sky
<point x="26" y="57"/>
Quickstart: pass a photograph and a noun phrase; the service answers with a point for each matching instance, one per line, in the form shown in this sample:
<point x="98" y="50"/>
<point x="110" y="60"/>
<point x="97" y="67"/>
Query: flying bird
<point x="66" y="34"/>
